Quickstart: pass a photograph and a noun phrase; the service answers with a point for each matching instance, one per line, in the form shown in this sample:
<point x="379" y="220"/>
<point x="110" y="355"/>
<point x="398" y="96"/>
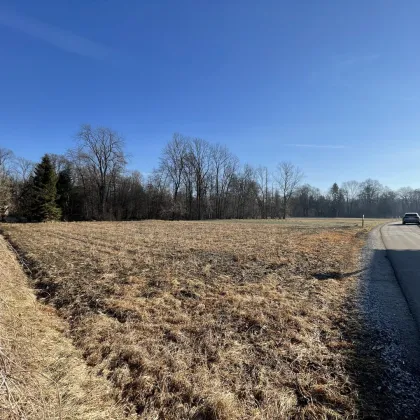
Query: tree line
<point x="194" y="180"/>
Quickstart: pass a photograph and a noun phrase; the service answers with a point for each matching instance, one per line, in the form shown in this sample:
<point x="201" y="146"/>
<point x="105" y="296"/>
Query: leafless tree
<point x="245" y="194"/>
<point x="23" y="168"/>
<point x="6" y="158"/>
<point x="172" y="165"/>
<point x="100" y="156"/>
<point x="195" y="179"/>
<point x="370" y="190"/>
<point x="350" y="190"/>
<point x="415" y="199"/>
<point x="288" y="179"/>
<point x="262" y="177"/>
<point x="225" y="165"/>
<point x="408" y="200"/>
<point x="199" y="159"/>
<point x="306" y="198"/>
<point x="369" y="195"/>
<point x="60" y="162"/>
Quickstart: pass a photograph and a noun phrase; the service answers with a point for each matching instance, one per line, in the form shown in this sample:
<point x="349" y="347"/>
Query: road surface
<point x="403" y="251"/>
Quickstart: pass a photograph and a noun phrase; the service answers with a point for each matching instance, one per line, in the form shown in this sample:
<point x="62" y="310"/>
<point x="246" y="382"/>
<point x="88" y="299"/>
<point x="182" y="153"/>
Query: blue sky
<point x="332" y="86"/>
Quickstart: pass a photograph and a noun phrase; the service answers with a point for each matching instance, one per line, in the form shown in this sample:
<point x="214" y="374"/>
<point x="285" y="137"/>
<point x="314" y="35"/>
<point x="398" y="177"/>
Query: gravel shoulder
<point x="392" y="332"/>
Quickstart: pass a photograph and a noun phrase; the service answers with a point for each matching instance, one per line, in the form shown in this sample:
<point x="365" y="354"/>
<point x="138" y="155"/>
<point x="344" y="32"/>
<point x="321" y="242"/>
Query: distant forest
<point x="194" y="180"/>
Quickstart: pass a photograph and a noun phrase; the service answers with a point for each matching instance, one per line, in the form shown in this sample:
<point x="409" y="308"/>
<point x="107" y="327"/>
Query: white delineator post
<point x="363" y="220"/>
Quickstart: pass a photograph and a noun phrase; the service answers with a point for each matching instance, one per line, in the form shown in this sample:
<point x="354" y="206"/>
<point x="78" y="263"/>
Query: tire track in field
<point x="101" y="246"/>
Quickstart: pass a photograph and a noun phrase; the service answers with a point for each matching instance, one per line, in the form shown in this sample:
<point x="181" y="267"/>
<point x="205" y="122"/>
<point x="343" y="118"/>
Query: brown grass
<point x="42" y="376"/>
<point x="208" y="320"/>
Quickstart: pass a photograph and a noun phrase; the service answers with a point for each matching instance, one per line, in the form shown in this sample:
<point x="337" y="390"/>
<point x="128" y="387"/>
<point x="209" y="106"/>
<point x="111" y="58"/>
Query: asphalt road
<point x="390" y="327"/>
<point x="402" y="243"/>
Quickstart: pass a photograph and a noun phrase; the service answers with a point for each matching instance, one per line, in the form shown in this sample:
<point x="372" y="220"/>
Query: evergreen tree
<point x="337" y="200"/>
<point x="25" y="200"/>
<point x="44" y="192"/>
<point x="64" y="192"/>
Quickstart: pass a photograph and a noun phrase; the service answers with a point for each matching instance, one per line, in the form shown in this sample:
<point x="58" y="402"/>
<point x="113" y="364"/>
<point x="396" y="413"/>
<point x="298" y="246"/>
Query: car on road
<point x="411" y="218"/>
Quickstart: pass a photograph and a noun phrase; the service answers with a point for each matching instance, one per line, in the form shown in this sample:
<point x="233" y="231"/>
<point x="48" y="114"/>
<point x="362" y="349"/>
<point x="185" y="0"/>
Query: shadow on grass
<point x="336" y="275"/>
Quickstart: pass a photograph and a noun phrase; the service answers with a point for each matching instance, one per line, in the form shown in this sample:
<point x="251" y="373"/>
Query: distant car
<point x="411" y="218"/>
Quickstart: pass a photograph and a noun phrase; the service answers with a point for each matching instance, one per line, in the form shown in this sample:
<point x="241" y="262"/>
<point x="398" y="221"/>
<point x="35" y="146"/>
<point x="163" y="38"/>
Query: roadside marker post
<point x="363" y="221"/>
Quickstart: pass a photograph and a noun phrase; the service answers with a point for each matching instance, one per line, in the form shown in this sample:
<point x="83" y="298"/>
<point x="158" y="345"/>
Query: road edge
<point x="400" y="280"/>
<point x="391" y="328"/>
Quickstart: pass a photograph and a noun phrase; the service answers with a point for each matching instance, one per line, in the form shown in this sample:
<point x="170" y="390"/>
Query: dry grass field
<point x="209" y="320"/>
<point x="42" y="375"/>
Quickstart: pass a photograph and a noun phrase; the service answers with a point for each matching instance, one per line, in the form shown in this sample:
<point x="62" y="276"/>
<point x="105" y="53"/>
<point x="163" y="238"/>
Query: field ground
<point x="311" y="222"/>
<point x="201" y="320"/>
<point x="42" y="375"/>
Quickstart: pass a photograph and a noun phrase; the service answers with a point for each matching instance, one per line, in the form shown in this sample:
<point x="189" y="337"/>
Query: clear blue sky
<point x="332" y="86"/>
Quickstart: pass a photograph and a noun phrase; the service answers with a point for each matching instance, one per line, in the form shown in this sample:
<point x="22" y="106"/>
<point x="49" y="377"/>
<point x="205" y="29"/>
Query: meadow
<point x="208" y="320"/>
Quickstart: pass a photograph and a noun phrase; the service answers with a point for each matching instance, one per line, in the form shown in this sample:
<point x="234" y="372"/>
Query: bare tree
<point x="158" y="196"/>
<point x="415" y="199"/>
<point x="188" y="183"/>
<point x="243" y="194"/>
<point x="6" y="158"/>
<point x="405" y="195"/>
<point x="172" y="165"/>
<point x="262" y="178"/>
<point x="225" y="165"/>
<point x="350" y="190"/>
<point x="60" y="162"/>
<point x="101" y="155"/>
<point x="199" y="159"/>
<point x="306" y="198"/>
<point x="288" y="178"/>
<point x="23" y="168"/>
<point x="370" y="191"/>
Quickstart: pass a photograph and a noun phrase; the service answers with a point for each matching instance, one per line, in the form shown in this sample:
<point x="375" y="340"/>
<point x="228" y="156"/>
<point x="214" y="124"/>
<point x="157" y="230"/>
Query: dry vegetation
<point x="42" y="376"/>
<point x="202" y="320"/>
